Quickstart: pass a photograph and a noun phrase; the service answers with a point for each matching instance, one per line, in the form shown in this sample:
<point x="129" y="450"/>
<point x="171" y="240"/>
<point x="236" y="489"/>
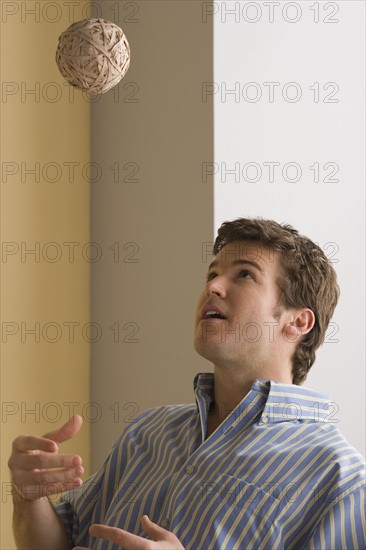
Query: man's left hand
<point x="161" y="538"/>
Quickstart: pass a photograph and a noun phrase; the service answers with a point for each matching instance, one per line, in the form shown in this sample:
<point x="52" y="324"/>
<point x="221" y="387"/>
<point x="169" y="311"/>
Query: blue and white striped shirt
<point x="276" y="474"/>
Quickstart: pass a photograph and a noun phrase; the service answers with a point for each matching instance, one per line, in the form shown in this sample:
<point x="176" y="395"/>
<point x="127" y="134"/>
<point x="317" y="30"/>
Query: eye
<point x="245" y="273"/>
<point x="209" y="276"/>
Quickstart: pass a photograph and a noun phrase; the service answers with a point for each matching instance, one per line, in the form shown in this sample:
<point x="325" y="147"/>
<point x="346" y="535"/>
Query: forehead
<point x="254" y="252"/>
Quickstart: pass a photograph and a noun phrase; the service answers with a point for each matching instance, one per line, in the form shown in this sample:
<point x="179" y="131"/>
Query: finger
<point x="43" y="460"/>
<point x="159" y="534"/>
<point x="67" y="431"/>
<point x="153" y="529"/>
<point x="25" y="443"/>
<point x="42" y="477"/>
<point x="120" y="536"/>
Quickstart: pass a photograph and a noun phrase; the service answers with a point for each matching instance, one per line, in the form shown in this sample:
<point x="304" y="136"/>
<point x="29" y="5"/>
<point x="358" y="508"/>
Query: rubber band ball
<point x="93" y="55"/>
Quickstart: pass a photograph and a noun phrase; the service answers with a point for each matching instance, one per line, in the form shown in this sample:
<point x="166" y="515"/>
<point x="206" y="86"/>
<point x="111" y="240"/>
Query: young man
<point x="255" y="463"/>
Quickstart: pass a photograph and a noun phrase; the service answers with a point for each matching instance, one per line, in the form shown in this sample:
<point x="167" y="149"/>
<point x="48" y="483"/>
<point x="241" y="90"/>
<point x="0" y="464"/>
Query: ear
<point x="302" y="322"/>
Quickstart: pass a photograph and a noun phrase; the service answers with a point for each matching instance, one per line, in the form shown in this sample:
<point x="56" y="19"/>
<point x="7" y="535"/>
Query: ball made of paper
<point x="93" y="55"/>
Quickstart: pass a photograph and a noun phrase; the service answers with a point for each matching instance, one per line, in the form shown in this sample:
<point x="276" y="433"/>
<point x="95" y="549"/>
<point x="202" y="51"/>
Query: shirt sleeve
<point x="78" y="508"/>
<point x="343" y="527"/>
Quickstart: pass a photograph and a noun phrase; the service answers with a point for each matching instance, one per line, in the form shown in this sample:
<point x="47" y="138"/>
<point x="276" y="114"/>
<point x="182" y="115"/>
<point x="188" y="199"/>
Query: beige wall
<point x="157" y="132"/>
<point x="163" y="220"/>
<point x="41" y="376"/>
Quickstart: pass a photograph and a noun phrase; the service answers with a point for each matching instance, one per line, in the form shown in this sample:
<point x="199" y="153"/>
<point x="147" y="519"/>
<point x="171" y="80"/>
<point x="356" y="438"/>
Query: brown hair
<point x="308" y="278"/>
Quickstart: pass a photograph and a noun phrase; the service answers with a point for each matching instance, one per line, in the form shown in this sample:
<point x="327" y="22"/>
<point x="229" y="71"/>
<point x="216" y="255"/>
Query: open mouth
<point x="212" y="315"/>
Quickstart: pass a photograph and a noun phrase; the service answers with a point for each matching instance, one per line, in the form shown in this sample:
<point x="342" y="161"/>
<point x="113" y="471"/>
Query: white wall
<point x="258" y="43"/>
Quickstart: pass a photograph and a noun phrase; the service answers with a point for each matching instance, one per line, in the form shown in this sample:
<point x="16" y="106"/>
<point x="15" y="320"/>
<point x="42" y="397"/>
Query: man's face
<point x="243" y="285"/>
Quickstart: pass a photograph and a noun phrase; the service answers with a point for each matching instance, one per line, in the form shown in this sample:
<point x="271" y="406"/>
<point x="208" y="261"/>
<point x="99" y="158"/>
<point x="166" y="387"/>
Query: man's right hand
<point x="37" y="470"/>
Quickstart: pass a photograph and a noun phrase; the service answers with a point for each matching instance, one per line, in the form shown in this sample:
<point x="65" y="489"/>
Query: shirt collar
<point x="284" y="402"/>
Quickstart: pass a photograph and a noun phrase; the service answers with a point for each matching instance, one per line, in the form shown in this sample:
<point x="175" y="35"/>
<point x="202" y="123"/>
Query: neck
<point x="232" y="385"/>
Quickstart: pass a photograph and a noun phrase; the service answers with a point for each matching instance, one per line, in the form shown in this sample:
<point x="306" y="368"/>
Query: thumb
<point x="153" y="529"/>
<point x="67" y="431"/>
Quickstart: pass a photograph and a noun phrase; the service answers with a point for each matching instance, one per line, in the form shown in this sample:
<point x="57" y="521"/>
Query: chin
<point x="212" y="351"/>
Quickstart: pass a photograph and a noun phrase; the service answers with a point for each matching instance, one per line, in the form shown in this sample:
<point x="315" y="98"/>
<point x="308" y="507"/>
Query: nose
<point x="216" y="286"/>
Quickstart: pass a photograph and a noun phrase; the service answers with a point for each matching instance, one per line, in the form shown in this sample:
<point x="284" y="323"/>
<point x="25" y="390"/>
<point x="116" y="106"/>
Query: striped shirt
<point x="276" y="474"/>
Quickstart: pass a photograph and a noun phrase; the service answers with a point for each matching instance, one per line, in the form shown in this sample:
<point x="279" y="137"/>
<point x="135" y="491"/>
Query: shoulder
<point x="154" y="418"/>
<point x="179" y="412"/>
<point x="342" y="465"/>
<point x="331" y="439"/>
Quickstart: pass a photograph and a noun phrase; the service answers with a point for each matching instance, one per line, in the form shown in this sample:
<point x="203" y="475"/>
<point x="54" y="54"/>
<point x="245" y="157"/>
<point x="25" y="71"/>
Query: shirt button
<point x="189" y="469"/>
<point x="265" y="418"/>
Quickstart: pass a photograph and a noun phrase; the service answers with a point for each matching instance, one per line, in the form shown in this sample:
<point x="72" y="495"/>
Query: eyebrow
<point x="238" y="262"/>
